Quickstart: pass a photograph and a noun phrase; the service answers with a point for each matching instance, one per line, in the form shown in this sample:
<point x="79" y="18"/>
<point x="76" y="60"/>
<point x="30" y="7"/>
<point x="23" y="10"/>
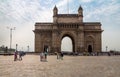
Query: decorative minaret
<point x="80" y="14"/>
<point x="55" y="12"/>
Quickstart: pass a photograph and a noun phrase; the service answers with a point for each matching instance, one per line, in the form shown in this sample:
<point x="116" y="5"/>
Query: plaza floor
<point x="70" y="66"/>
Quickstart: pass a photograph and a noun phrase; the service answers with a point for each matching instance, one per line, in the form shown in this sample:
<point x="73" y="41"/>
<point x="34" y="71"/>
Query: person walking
<point x="20" y="55"/>
<point x="57" y="55"/>
<point x="61" y="55"/>
<point x="15" y="55"/>
<point x="41" y="56"/>
<point x="45" y="53"/>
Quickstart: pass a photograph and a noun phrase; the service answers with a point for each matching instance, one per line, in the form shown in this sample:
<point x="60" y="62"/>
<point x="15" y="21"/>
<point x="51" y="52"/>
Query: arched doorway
<point x="90" y="44"/>
<point x="90" y="48"/>
<point x="67" y="44"/>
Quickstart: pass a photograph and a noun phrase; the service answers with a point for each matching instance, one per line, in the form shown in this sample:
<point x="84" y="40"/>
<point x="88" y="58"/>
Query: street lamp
<point x="16" y="47"/>
<point x="28" y="48"/>
<point x="106" y="48"/>
<point x="11" y="35"/>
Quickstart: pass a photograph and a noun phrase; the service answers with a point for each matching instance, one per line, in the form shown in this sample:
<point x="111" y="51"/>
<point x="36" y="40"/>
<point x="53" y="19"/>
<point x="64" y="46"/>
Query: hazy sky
<point x="23" y="14"/>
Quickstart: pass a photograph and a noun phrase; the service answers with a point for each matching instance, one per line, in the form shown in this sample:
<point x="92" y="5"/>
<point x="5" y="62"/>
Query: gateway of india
<point x="85" y="36"/>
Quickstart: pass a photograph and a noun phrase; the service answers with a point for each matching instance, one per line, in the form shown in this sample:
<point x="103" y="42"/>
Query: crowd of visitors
<point x="60" y="55"/>
<point x="43" y="56"/>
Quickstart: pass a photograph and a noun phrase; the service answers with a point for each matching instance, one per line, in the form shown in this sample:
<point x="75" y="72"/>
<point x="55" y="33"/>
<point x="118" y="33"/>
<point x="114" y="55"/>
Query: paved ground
<point x="80" y="66"/>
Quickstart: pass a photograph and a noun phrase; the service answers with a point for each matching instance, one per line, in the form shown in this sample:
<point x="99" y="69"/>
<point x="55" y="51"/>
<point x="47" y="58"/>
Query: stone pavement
<point x="71" y="66"/>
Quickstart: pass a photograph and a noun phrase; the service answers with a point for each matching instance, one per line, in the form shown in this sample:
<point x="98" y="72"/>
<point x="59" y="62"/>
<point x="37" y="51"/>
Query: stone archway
<point x="72" y="25"/>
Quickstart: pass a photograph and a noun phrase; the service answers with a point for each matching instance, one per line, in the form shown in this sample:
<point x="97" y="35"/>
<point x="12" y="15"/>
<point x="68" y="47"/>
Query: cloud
<point x="86" y="1"/>
<point x="106" y="9"/>
<point x="20" y="10"/>
<point x="63" y="5"/>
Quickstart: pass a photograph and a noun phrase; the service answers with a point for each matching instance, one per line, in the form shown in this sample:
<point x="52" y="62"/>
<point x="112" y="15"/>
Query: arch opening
<point x="67" y="44"/>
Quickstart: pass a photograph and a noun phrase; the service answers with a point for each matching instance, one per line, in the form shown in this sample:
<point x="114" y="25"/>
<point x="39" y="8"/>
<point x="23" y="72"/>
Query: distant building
<point x="86" y="36"/>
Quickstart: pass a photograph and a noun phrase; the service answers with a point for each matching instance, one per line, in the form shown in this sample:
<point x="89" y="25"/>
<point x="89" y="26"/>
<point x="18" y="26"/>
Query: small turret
<point x="80" y="11"/>
<point x="55" y="11"/>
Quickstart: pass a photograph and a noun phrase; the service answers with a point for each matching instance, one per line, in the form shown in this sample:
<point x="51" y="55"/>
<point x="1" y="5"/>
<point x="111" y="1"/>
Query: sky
<point x="23" y="14"/>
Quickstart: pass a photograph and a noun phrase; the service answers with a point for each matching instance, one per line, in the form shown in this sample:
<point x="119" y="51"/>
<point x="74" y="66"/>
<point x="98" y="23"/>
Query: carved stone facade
<point x="86" y="36"/>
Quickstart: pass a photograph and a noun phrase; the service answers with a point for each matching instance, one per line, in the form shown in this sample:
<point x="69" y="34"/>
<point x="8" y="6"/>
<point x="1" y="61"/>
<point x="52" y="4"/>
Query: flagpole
<point x="68" y="6"/>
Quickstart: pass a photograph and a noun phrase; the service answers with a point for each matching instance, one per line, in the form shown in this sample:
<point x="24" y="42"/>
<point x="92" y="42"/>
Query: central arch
<point x="68" y="42"/>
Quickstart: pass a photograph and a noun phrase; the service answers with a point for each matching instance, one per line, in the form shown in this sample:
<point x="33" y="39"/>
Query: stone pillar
<point x="37" y="42"/>
<point x="55" y="39"/>
<point x="98" y="43"/>
<point x="80" y="46"/>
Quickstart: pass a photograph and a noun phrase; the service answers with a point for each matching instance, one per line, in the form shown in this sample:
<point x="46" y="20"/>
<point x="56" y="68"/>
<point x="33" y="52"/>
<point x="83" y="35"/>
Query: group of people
<point x="43" y="56"/>
<point x="60" y="55"/>
<point x="20" y="53"/>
